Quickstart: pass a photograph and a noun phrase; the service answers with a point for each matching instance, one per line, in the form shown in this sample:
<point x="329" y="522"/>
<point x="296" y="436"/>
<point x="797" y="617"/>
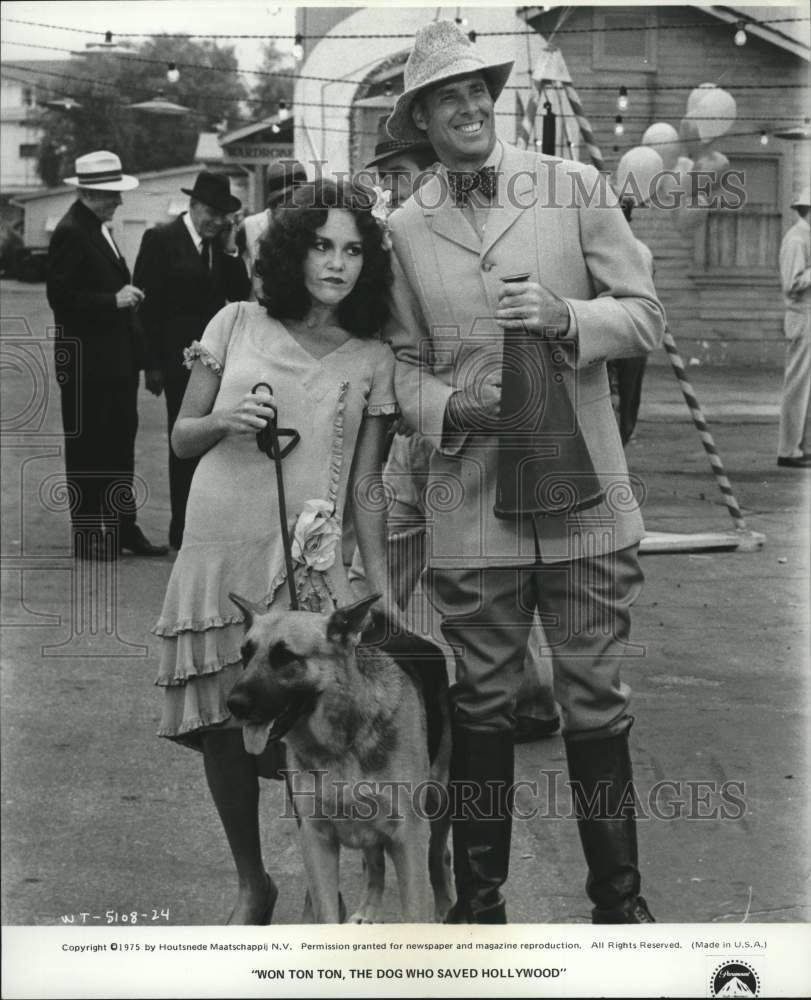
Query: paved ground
<point x="99" y="815"/>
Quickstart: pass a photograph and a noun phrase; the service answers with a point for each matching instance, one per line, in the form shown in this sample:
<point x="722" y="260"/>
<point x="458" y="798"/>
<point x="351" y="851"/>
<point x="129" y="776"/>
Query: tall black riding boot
<point x="481" y="782"/>
<point x="605" y="806"/>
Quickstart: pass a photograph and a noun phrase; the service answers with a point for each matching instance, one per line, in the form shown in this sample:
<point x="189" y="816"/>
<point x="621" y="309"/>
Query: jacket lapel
<point x="517" y="179"/>
<point x="92" y="226"/>
<point x="444" y="218"/>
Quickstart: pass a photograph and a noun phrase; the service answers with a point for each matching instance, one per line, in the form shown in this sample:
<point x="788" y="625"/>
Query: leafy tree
<point x="107" y="83"/>
<point x="269" y="90"/>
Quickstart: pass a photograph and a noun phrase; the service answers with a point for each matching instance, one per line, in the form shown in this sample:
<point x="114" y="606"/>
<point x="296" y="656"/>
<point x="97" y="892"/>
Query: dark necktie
<point x="205" y="254"/>
<point x="461" y="183"/>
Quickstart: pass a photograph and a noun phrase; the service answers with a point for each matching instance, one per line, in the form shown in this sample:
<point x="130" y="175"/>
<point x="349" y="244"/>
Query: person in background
<point x="283" y="177"/>
<point x="188" y="269"/>
<point x="795" y="277"/>
<point x="98" y="358"/>
<point x="625" y="374"/>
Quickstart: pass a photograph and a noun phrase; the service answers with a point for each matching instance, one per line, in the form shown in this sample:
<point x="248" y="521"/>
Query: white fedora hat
<point x="803" y="198"/>
<point x="441" y="51"/>
<point x="101" y="171"/>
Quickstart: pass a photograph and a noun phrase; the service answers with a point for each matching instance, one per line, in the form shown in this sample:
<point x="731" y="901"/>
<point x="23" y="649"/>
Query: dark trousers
<point x="100" y="421"/>
<point x="181" y="470"/>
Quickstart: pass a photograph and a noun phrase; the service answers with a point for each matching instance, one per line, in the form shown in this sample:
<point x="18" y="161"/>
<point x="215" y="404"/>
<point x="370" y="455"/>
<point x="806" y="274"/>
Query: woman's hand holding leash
<point x="251" y="414"/>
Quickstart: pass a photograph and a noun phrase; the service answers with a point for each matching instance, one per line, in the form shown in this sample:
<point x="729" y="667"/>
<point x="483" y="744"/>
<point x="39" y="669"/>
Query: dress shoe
<point x="136" y="542"/>
<point x="528" y="729"/>
<point x="804" y="462"/>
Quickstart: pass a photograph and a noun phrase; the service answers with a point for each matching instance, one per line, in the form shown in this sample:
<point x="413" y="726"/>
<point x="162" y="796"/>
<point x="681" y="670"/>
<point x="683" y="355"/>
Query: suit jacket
<point x="445" y="295"/>
<point x="181" y="293"/>
<point x="95" y="341"/>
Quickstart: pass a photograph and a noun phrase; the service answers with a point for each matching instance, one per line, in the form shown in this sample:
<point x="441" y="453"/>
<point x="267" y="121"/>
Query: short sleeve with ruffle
<point x="213" y="346"/>
<point x="381" y="399"/>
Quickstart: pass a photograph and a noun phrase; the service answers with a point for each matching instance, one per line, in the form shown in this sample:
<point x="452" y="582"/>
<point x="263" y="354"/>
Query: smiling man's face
<point x="457" y="117"/>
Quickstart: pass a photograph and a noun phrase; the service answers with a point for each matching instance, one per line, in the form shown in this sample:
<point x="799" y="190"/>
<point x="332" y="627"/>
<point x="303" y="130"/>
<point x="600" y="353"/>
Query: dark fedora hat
<point x="385" y="146"/>
<point x="283" y="176"/>
<point x="213" y="190"/>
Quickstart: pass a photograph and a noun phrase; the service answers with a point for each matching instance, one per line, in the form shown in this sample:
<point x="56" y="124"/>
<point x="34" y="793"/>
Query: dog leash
<point x="267" y="441"/>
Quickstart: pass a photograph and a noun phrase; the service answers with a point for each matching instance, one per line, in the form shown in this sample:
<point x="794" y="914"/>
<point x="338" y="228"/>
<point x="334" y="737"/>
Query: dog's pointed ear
<point x="347" y="621"/>
<point x="248" y="608"/>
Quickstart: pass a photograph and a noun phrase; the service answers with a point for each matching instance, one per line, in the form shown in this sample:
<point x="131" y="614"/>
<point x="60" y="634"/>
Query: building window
<point x="625" y="39"/>
<point x="28" y="150"/>
<point x="746" y="239"/>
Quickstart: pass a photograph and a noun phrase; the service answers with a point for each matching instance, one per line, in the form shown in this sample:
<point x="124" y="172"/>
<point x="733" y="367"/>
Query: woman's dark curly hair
<point x="283" y="249"/>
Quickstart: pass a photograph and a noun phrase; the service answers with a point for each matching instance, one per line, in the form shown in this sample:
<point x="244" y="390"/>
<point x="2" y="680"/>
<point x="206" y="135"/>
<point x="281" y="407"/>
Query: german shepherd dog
<point x="366" y="721"/>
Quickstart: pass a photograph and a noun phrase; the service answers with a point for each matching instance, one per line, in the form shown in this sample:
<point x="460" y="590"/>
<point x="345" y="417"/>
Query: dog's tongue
<point x="255" y="736"/>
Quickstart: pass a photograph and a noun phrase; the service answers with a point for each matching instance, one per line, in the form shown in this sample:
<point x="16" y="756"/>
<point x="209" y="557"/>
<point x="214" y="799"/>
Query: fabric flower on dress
<point x="381" y="210"/>
<point x="316" y="536"/>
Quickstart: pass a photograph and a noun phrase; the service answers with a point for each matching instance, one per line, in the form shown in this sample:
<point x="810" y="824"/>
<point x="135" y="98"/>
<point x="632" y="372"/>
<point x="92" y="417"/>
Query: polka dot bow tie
<point x="461" y="183"/>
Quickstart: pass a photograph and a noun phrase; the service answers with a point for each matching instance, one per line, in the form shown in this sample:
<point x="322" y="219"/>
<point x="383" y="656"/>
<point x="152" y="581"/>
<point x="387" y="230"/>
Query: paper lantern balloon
<point x="637" y="173"/>
<point x="713" y="112"/>
<point x="690" y="137"/>
<point x="698" y="94"/>
<point x="665" y="140"/>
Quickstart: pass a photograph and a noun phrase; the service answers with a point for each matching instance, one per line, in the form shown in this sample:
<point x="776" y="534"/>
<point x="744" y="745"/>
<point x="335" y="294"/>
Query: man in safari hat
<point x="499" y="239"/>
<point x="189" y="269"/>
<point x="794" y="442"/>
<point x="98" y="359"/>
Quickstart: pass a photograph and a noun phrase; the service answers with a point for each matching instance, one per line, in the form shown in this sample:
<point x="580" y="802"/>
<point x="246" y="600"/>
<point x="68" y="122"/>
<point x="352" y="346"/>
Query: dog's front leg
<point x="320" y="850"/>
<point x="409" y="853"/>
<point x="374" y="873"/>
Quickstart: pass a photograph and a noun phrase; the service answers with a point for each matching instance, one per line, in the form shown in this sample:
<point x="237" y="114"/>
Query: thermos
<point x="544" y="466"/>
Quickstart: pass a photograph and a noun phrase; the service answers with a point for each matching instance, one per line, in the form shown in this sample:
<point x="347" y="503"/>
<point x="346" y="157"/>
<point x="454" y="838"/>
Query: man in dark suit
<point x="98" y="356"/>
<point x="188" y="269"/>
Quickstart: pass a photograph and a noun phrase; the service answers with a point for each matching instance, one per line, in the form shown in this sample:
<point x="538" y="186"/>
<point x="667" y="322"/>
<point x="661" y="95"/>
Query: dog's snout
<point x="239" y="703"/>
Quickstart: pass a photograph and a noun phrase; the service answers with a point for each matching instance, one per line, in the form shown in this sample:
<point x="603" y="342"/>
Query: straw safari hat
<point x="441" y="51"/>
<point x="101" y="171"/>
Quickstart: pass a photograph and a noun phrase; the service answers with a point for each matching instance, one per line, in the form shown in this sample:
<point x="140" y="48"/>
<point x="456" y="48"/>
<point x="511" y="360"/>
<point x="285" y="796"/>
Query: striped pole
<point x="586" y="130"/>
<point x="704" y="433"/>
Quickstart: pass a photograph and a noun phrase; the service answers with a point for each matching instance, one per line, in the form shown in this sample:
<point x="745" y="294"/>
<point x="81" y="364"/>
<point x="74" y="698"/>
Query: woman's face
<point x="334" y="262"/>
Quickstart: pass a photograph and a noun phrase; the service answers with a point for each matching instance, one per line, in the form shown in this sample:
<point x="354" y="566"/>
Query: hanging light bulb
<point x="172" y="73"/>
<point x="388" y="90"/>
<point x="460" y="21"/>
<point x="274" y="128"/>
<point x="764" y="139"/>
<point x="741" y="37"/>
<point x="619" y="128"/>
<point x="472" y="36"/>
<point x="622" y="100"/>
<point x="298" y="47"/>
<point x="284" y="114"/>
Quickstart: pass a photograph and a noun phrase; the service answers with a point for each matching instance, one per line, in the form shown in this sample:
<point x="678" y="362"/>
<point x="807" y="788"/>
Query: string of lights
<point x="333" y="36"/>
<point x="292" y="74"/>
